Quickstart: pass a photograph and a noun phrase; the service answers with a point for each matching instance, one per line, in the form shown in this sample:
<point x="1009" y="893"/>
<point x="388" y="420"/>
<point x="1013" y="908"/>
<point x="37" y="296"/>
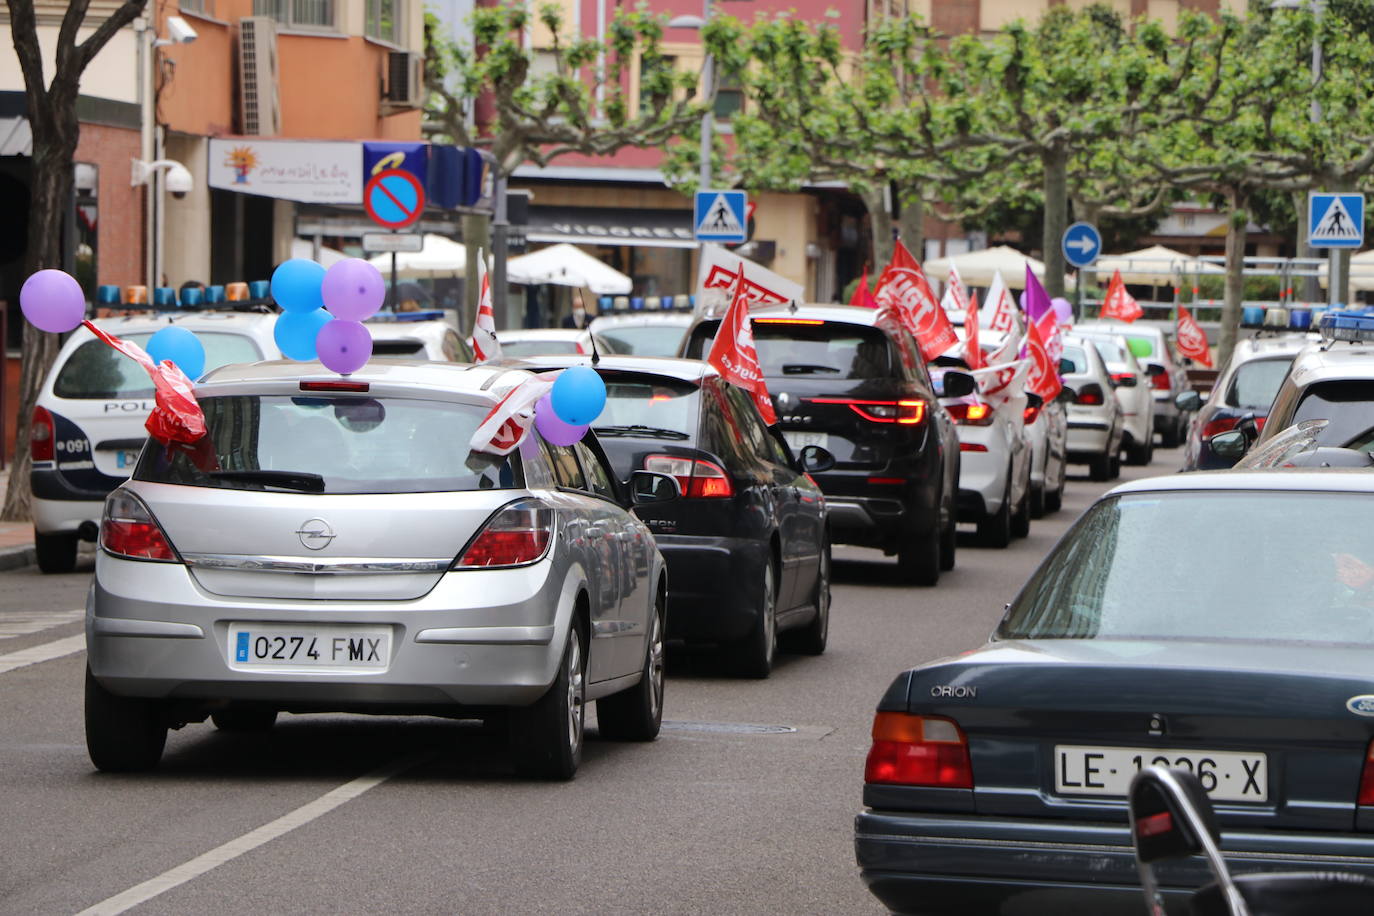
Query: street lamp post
<point x="708" y="90"/>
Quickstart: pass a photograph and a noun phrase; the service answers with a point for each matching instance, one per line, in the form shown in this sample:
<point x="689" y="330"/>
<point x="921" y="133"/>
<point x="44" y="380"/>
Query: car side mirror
<point x="1188" y="401"/>
<point x="650" y="487"/>
<point x="1154" y="370"/>
<point x="815" y="460"/>
<point x="1230" y="445"/>
<point x="958" y="385"/>
<point x="1171" y="816"/>
<point x="1034" y="400"/>
<point x="1066" y="395"/>
<point x="1066" y="366"/>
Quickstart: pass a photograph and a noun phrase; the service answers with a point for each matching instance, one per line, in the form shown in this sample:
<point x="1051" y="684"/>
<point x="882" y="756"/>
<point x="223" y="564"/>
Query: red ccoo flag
<point x="1119" y="304"/>
<point x="1192" y="339"/>
<point x="904" y="291"/>
<point x="734" y="355"/>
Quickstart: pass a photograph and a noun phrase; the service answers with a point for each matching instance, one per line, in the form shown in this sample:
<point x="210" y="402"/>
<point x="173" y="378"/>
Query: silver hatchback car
<point x="334" y="545"/>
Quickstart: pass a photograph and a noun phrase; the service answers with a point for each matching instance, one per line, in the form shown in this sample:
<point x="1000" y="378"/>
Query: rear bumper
<point x="982" y="483"/>
<point x="959" y="863"/>
<point x="1088" y="438"/>
<point x="59" y="507"/>
<point x="712" y="585"/>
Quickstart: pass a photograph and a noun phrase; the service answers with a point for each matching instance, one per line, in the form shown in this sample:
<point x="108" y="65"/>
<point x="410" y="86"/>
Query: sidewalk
<point x="16" y="538"/>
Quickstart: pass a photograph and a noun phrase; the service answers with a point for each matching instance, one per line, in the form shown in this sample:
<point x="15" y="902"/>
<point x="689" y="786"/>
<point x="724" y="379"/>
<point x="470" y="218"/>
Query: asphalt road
<point x="349" y="814"/>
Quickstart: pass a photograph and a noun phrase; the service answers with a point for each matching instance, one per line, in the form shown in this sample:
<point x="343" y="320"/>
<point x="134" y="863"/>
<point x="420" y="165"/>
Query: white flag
<point x="1001" y="384"/>
<point x="718" y="271"/>
<point x="506" y="425"/>
<point x="1011" y="343"/>
<point x="485" y="346"/>
<point x="1000" y="307"/>
<point x="955" y="298"/>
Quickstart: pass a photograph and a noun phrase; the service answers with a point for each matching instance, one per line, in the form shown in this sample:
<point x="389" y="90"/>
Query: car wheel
<point x="245" y="719"/>
<point x="1114" y="468"/>
<point x="918" y="560"/>
<point x="123" y="734"/>
<point x="995" y="530"/>
<point x="546" y="738"/>
<point x="56" y="553"/>
<point x="1171" y="435"/>
<point x="1021" y="518"/>
<point x="811" y="639"/>
<point x="1037" y="501"/>
<point x="1100" y="467"/>
<point x="753" y="655"/>
<point x="1141" y="453"/>
<point x="1054" y="499"/>
<point x="949" y="537"/>
<point x="637" y="714"/>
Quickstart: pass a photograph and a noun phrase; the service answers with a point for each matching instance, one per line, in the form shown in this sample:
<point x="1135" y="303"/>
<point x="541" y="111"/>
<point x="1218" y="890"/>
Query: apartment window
<point x="729" y="97"/>
<point x="383" y="20"/>
<point x="308" y="14"/>
<point x="203" y="7"/>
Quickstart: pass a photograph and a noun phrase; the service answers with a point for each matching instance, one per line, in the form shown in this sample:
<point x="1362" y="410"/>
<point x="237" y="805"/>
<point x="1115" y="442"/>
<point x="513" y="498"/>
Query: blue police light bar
<point x="401" y="317"/>
<point x="1348" y="325"/>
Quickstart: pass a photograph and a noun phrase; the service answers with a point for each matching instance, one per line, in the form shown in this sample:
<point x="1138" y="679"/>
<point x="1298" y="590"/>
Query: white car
<point x="88" y="421"/>
<point x="642" y="333"/>
<point x="1129" y="382"/>
<point x="423" y="338"/>
<point x="1095" y="418"/>
<point x="1167" y="376"/>
<point x="544" y="342"/>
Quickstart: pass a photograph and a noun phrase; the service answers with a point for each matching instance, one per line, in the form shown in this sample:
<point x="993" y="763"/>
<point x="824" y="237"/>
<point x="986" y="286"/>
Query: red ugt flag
<point x="904" y="291"/>
<point x="1192" y="339"/>
<point x="862" y="296"/>
<point x="1119" y="304"/>
<point x="1044" y="372"/>
<point x="734" y="355"/>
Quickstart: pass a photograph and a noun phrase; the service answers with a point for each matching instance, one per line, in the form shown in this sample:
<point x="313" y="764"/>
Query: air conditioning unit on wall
<point x="405" y="80"/>
<point x="259" y="105"/>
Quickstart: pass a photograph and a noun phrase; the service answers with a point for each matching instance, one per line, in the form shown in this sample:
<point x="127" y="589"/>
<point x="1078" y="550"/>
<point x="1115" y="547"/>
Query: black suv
<point x="852" y="381"/>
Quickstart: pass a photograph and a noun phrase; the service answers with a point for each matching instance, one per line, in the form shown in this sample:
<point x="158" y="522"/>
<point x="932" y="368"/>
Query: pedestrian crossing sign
<point x="721" y="216"/>
<point x="1335" y="220"/>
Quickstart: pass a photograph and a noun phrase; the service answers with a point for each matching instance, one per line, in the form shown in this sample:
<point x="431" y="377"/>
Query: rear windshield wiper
<point x="807" y="369"/>
<point x="290" y="480"/>
<point x="648" y="432"/>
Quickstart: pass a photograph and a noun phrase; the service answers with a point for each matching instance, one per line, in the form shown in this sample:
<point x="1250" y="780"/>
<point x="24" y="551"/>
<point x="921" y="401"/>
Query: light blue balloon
<point x="578" y="396"/>
<point x="295" y="333"/>
<point x="182" y="347"/>
<point x="296" y="285"/>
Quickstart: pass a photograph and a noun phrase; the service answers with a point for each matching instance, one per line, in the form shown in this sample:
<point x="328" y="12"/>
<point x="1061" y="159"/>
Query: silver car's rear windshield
<point x="356" y="444"/>
<point x="1210" y="565"/>
<point x="649" y="340"/>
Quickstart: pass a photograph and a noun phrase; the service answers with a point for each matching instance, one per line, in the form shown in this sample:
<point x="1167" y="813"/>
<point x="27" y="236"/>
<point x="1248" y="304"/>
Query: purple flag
<point x="1037" y="301"/>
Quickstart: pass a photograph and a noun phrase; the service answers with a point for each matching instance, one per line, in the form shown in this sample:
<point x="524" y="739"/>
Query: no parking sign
<point x="394" y="198"/>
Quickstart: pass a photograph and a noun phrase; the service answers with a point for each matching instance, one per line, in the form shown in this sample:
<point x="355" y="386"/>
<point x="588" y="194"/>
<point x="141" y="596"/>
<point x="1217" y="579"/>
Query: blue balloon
<point x="295" y="333"/>
<point x="578" y="396"/>
<point x="296" y="285"/>
<point x="182" y="347"/>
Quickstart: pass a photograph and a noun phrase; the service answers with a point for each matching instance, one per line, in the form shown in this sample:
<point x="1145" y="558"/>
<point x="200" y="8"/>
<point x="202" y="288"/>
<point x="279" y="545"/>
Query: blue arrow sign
<point x="721" y="216"/>
<point x="1082" y="244"/>
<point x="1335" y="220"/>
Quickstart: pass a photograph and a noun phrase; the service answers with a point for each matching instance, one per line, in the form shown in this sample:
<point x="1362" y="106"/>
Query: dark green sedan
<point x="1219" y="622"/>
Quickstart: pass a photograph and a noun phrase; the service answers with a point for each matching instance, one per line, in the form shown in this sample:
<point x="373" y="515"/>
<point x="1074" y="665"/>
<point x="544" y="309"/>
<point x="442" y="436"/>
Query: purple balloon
<point x="353" y="290"/>
<point x="53" y="301"/>
<point x="554" y="430"/>
<point x="1063" y="310"/>
<point x="344" y="346"/>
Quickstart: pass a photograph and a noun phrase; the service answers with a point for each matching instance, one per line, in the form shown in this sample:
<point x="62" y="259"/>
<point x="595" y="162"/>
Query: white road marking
<point x="44" y="653"/>
<point x="268" y="832"/>
<point x="22" y="624"/>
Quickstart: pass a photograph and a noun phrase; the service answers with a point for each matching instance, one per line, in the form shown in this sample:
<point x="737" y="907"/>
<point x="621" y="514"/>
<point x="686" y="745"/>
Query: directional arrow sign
<point x="1082" y="243"/>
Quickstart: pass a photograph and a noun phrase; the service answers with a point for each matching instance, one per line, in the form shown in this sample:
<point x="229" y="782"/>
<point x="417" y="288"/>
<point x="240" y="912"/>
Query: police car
<point x="88" y="421"/>
<point x="418" y="335"/>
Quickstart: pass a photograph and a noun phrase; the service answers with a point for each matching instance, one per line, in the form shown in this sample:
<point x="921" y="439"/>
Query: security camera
<point x="180" y="30"/>
<point x="179" y="181"/>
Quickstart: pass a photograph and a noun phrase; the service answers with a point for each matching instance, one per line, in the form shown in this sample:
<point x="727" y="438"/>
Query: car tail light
<point x="128" y="529"/>
<point x="517" y="535"/>
<point x="1090" y="395"/>
<point x="1030" y="414"/>
<point x="786" y="321"/>
<point x="696" y="478"/>
<point x="42" y="435"/>
<point x="905" y="412"/>
<point x="1367" y="778"/>
<point x="918" y="751"/>
<point x="1122" y="376"/>
<point x="1219" y="425"/>
<point x="1160" y="381"/>
<point x="887" y="481"/>
<point x="971" y="414"/>
<point x="972" y="447"/>
<point x="335" y="385"/>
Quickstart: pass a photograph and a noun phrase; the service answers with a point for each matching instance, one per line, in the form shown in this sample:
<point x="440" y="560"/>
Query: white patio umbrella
<point x="1153" y="266"/>
<point x="1361" y="271"/>
<point x="439" y="257"/>
<point x="567" y="265"/>
<point x="977" y="268"/>
<point x="304" y="248"/>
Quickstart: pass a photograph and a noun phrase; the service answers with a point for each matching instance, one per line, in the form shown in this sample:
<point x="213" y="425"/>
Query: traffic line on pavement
<point x="22" y="624"/>
<point x="44" y="653"/>
<point x="268" y="832"/>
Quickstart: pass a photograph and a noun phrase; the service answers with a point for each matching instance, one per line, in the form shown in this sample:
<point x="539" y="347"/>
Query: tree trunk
<point x="1237" y="218"/>
<point x="911" y="219"/>
<point x="1306" y="289"/>
<point x="880" y="223"/>
<point x="1056" y="165"/>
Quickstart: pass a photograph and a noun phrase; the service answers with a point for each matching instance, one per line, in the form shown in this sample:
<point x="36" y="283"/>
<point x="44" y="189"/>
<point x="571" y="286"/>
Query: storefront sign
<point x="611" y="226"/>
<point x="309" y="172"/>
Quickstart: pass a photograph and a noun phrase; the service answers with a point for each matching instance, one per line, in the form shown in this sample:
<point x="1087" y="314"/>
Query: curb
<point x="17" y="557"/>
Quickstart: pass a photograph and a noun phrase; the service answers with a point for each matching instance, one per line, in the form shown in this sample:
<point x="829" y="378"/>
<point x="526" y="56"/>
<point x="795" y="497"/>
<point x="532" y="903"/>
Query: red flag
<point x="1119" y="304"/>
<point x="1044" y="371"/>
<point x="863" y="296"/>
<point x="485" y="346"/>
<point x="973" y="353"/>
<point x="508" y="422"/>
<point x="904" y="291"/>
<point x="1048" y="325"/>
<point x="1192" y="339"/>
<point x="176" y="415"/>
<point x="734" y="355"/>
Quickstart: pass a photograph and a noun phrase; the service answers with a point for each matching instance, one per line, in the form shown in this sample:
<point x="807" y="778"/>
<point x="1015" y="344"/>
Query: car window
<point x="1075" y="355"/>
<point x="1348" y="405"/>
<point x="746" y="414"/>
<point x="538" y="347"/>
<point x="356" y="444"/>
<point x="565" y="468"/>
<point x="806" y="347"/>
<point x="535" y="464"/>
<point x="455" y="348"/>
<point x="96" y="370"/>
<point x="1297" y="567"/>
<point x="721" y="433"/>
<point x="650" y="340"/>
<point x="649" y="401"/>
<point x="598" y="477"/>
<point x="1111" y="351"/>
<point x="1256" y="382"/>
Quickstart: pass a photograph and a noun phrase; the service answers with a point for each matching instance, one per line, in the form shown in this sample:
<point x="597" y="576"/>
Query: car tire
<point x="1114" y="468"/>
<point x="637" y="714"/>
<point x="244" y="719"/>
<point x="1100" y="467"/>
<point x="995" y="530"/>
<point x="1021" y="518"/>
<point x="1171" y="435"/>
<point x="1054" y="499"/>
<point x="949" y="538"/>
<point x="123" y="734"/>
<point x="918" y="559"/>
<point x="1141" y="453"/>
<point x="753" y="655"/>
<point x="811" y="639"/>
<point x="546" y="737"/>
<point x="56" y="553"/>
<point x="1037" y="501"/>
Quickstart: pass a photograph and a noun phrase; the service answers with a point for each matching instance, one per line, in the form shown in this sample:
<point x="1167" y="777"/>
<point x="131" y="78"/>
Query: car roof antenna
<point x="596" y="354"/>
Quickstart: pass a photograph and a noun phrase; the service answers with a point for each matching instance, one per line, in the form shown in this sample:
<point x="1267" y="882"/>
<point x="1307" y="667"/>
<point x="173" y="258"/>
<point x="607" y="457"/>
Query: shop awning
<point x="611" y="226"/>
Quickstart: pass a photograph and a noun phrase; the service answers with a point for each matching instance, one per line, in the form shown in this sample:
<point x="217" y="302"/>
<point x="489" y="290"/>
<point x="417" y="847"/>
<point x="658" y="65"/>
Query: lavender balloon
<point x="554" y="430"/>
<point x="53" y="301"/>
<point x="1063" y="310"/>
<point x="353" y="290"/>
<point x="343" y="346"/>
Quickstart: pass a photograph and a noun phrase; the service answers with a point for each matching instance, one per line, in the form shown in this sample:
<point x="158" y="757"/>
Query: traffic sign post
<point x="1335" y="221"/>
<point x="721" y="216"/>
<point x="381" y="242"/>
<point x="1082" y="243"/>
